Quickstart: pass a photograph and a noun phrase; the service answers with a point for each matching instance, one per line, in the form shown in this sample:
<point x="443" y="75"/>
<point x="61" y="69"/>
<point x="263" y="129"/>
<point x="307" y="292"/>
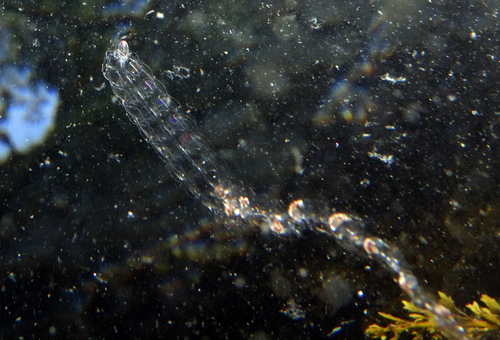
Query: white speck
<point x="389" y="78"/>
<point x="387" y="159"/>
<point x="315" y="23"/>
<point x="365" y="182"/>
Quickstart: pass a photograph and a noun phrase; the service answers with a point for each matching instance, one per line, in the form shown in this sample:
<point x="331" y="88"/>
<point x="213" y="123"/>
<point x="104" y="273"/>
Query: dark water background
<point x="386" y="109"/>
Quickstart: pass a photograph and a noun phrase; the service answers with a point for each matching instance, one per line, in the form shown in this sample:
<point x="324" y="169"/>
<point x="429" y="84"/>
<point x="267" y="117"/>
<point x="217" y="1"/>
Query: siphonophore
<point x="163" y="124"/>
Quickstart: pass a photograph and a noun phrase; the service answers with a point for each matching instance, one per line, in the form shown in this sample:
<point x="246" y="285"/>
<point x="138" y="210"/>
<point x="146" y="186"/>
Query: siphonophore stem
<point x="173" y="134"/>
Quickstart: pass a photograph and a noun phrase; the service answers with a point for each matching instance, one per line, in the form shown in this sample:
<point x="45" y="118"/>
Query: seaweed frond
<point x="421" y="324"/>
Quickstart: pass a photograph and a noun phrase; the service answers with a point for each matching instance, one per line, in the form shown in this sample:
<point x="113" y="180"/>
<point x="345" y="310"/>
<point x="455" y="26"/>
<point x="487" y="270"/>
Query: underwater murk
<point x="302" y="170"/>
